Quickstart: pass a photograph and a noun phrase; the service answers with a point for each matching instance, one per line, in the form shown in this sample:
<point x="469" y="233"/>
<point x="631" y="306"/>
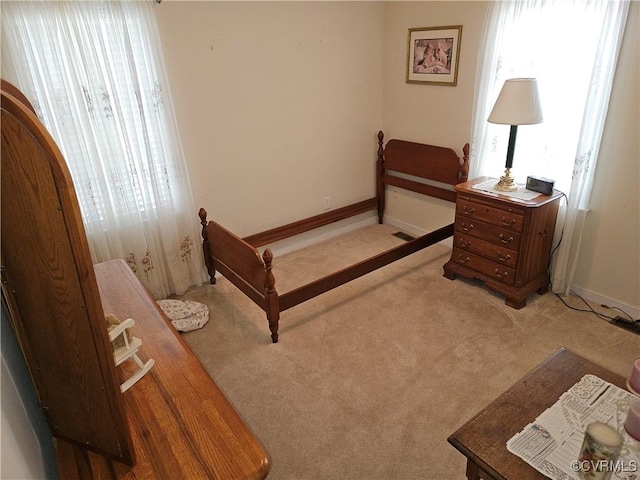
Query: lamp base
<point x="506" y="183"/>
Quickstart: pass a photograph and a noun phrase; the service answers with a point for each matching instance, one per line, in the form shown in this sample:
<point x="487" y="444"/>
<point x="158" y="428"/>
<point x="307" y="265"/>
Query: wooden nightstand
<point x="505" y="243"/>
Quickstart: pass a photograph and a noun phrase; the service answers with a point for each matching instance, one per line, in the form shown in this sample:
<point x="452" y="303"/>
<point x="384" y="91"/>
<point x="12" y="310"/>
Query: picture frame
<point x="433" y="54"/>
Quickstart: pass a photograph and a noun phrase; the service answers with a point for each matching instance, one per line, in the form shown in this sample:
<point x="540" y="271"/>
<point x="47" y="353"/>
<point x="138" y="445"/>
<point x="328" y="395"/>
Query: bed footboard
<point x="243" y="266"/>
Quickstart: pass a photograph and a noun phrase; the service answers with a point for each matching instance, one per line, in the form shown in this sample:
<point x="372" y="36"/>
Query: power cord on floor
<point x="627" y="319"/>
<point x="617" y="319"/>
<point x="627" y="322"/>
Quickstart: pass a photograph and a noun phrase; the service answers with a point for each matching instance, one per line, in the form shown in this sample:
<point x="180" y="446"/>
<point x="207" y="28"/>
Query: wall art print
<point x="432" y="55"/>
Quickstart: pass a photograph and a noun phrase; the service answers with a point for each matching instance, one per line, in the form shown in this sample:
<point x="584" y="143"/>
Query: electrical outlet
<point x="394" y="193"/>
<point x="327" y="203"/>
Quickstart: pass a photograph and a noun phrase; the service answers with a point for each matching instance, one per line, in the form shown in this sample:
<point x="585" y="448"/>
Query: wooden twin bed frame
<point x="240" y="262"/>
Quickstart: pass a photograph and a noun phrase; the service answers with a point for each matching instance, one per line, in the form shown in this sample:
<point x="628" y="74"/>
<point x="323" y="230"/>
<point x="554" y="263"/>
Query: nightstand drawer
<point x="498" y="236"/>
<point x="509" y="219"/>
<point x="491" y="251"/>
<point x="484" y="266"/>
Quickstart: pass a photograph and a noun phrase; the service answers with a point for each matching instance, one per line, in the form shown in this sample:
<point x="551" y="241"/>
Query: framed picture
<point x="432" y="55"/>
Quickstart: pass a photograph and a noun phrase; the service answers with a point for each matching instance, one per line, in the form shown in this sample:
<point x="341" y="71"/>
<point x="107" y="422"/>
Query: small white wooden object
<point x="129" y="351"/>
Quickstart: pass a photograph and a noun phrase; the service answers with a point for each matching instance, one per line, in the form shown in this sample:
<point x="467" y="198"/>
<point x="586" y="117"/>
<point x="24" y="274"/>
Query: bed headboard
<point x="434" y="164"/>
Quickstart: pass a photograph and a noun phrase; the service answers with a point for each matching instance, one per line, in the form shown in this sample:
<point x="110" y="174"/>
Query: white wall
<point x="433" y="114"/>
<point x="609" y="263"/>
<point x="278" y="104"/>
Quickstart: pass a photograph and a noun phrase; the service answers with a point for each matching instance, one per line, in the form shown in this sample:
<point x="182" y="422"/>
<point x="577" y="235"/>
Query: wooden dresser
<point x="506" y="243"/>
<point x="175" y="423"/>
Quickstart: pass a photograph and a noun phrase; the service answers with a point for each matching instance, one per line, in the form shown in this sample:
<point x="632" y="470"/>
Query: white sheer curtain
<point x="95" y="74"/>
<point x="571" y="47"/>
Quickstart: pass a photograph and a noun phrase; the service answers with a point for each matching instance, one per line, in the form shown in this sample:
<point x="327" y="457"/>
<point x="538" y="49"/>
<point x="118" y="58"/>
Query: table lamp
<point x="517" y="104"/>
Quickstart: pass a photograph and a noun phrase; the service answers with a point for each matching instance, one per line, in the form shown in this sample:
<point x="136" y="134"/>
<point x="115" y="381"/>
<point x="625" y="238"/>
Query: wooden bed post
<point x="202" y="213"/>
<point x="463" y="174"/>
<point x="380" y="189"/>
<point x="271" y="296"/>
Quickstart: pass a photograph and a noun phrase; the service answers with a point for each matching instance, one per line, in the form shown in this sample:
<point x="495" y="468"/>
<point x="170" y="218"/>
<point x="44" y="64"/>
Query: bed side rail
<point x="423" y="188"/>
<point x="301" y="226"/>
<point x="312" y="289"/>
<point x="241" y="264"/>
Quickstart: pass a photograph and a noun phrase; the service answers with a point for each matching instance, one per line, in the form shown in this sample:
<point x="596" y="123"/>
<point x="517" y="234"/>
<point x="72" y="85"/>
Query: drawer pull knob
<point x="463" y="259"/>
<point x="469" y="211"/>
<point x="466" y="227"/>
<point x="464" y="243"/>
<point x="503" y="258"/>
<point x="507" y="223"/>
<point x="505" y="240"/>
<point x="500" y="275"/>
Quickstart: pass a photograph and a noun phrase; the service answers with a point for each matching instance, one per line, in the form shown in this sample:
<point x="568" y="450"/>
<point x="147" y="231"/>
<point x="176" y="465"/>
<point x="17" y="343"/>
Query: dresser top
<point x="541" y="199"/>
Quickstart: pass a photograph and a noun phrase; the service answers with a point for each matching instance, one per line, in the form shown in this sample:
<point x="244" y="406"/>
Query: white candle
<point x="604" y="434"/>
<point x="632" y="423"/>
<point x="600" y="450"/>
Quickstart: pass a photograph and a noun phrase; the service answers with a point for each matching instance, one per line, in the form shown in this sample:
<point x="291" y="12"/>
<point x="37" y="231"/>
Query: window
<point x="571" y="47"/>
<point x="94" y="72"/>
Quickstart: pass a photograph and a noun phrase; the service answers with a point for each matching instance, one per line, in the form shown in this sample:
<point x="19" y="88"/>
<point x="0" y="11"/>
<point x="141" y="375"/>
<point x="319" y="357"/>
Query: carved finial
<point x="463" y="173"/>
<point x="202" y="213"/>
<point x="269" y="279"/>
<point x="380" y="148"/>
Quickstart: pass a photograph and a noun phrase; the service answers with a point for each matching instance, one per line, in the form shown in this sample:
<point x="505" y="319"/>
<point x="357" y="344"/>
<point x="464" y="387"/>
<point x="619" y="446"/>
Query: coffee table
<point x="483" y="439"/>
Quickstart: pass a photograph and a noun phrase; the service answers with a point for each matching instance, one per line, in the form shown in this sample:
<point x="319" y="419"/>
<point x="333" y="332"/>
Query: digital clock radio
<point x="540" y="184"/>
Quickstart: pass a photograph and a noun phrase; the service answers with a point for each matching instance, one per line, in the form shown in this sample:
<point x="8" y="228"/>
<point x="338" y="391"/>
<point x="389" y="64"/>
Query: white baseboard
<point x="595" y="298"/>
<point x="321" y="234"/>
<point x="330" y="231"/>
<point x="325" y="233"/>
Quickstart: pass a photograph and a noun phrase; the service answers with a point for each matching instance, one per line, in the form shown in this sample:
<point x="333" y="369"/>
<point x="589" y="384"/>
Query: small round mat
<point x="185" y="315"/>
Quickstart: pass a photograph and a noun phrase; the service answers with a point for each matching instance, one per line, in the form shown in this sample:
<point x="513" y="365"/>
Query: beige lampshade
<point x="518" y="103"/>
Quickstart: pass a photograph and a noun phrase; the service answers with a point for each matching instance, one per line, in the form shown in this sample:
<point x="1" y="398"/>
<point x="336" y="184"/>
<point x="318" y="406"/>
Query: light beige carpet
<point x="370" y="379"/>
